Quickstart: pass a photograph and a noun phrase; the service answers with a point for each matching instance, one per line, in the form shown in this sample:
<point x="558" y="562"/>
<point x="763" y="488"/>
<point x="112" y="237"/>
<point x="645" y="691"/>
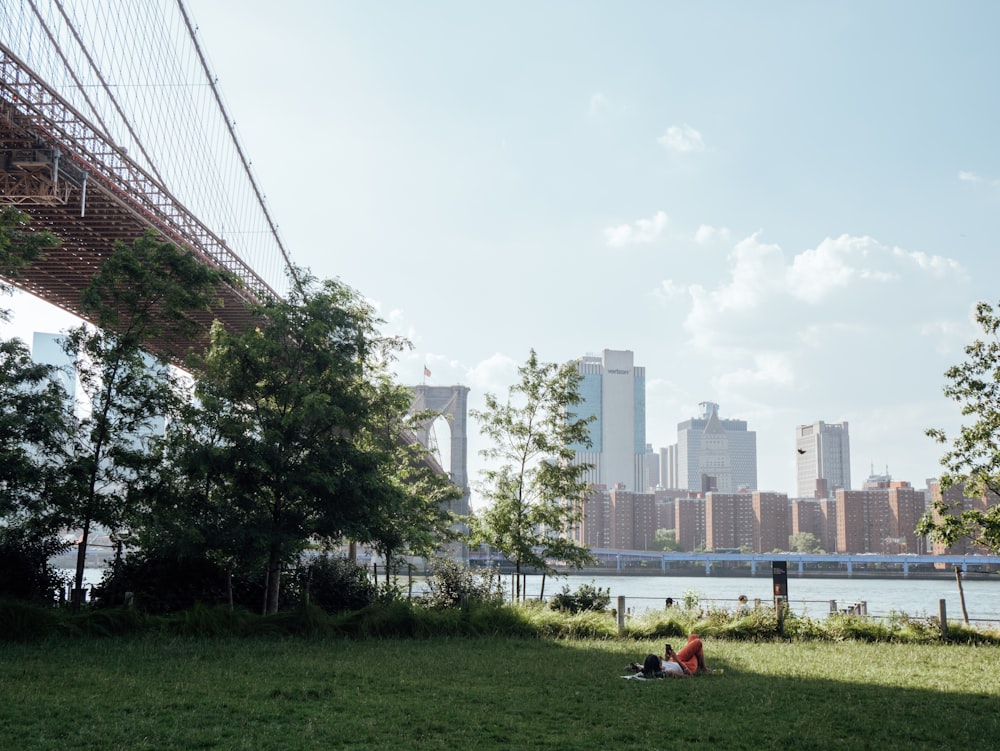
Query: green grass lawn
<point x="482" y="693"/>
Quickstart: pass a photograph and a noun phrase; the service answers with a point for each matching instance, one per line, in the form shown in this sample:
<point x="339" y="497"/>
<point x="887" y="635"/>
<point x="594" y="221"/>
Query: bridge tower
<point x="452" y="402"/>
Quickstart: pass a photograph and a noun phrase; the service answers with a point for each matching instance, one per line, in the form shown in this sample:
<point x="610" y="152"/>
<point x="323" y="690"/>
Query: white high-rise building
<point x="823" y="459"/>
<point x="716" y="454"/>
<point x="614" y="391"/>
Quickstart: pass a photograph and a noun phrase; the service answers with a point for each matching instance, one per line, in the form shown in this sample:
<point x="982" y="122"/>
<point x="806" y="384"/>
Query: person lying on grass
<point x="689" y="661"/>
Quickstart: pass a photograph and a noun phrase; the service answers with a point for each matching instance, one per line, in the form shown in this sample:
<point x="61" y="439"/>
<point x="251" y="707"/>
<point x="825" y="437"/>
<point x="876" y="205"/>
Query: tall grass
<point x="403" y="618"/>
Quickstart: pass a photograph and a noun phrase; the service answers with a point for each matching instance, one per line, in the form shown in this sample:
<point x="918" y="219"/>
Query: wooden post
<point x="943" y="617"/>
<point x="833" y="607"/>
<point x="779" y="611"/>
<point x="961" y="594"/>
<point x="621" y="614"/>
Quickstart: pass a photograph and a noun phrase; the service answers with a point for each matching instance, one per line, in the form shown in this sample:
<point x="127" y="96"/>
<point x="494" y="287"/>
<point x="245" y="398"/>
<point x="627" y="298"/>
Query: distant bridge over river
<point x="759" y="564"/>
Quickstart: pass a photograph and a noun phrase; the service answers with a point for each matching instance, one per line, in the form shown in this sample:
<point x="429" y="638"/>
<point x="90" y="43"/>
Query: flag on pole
<point x="427" y="372"/>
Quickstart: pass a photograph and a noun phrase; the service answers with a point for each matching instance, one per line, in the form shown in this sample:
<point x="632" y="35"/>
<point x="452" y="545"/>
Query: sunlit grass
<point x="490" y="693"/>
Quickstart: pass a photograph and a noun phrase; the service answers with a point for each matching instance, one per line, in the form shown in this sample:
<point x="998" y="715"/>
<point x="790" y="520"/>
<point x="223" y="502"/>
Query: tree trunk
<point x="273" y="582"/>
<point x="81" y="562"/>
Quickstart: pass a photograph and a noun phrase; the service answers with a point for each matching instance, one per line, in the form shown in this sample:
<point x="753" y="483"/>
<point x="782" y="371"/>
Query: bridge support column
<point x="708" y="567"/>
<point x="618" y="562"/>
<point x="850" y="569"/>
<point x="906" y="569"/>
<point x="800" y="568"/>
<point x="753" y="567"/>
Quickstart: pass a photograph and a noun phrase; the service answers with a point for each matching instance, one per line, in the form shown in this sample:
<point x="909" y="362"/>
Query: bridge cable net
<point x="126" y="88"/>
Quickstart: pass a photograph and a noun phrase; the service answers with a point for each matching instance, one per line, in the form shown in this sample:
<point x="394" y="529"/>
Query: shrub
<point x="333" y="584"/>
<point x="163" y="581"/>
<point x="452" y="584"/>
<point x="25" y="571"/>
<point x="21" y="621"/>
<point x="586" y="597"/>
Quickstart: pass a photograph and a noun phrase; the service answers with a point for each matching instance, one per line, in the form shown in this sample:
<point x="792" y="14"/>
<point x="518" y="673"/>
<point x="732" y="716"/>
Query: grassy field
<point x="490" y="693"/>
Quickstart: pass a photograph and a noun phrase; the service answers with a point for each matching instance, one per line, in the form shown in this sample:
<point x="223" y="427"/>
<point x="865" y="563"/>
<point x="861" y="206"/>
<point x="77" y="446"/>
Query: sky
<point x="786" y="208"/>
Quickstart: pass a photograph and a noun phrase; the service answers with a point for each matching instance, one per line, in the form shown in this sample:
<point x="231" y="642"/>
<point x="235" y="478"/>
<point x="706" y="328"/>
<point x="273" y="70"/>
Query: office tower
<point x="716" y="455"/>
<point x="690" y="527"/>
<point x="618" y="519"/>
<point x="772" y="522"/>
<point x="879" y="519"/>
<point x="47" y="349"/>
<point x="652" y="468"/>
<point x="668" y="466"/>
<point x="614" y="391"/>
<point x="956" y="495"/>
<point x="594" y="529"/>
<point x="906" y="505"/>
<point x="823" y="459"/>
<point x="729" y="522"/>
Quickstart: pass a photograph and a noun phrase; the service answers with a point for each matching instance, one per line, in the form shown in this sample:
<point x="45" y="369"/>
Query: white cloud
<point x="822" y="298"/>
<point x="495" y="375"/>
<point x="969" y="177"/>
<point x="706" y="234"/>
<point x="640" y="231"/>
<point x="598" y="103"/>
<point x="669" y="290"/>
<point x="939" y="266"/>
<point x="765" y="368"/>
<point x="682" y="138"/>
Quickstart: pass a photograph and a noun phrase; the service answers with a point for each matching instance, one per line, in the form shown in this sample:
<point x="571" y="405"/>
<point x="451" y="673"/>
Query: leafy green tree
<point x="285" y="421"/>
<point x="19" y="247"/>
<point x="666" y="540"/>
<point x="32" y="434"/>
<point x="147" y="293"/>
<point x="535" y="490"/>
<point x="31" y="399"/>
<point x="409" y="504"/>
<point x="973" y="460"/>
<point x="804" y="542"/>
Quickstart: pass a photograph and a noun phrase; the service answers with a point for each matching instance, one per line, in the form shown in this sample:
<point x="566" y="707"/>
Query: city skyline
<point x="787" y="210"/>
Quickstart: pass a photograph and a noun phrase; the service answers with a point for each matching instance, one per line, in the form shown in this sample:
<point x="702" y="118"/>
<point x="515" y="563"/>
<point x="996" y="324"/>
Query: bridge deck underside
<point x="89" y="219"/>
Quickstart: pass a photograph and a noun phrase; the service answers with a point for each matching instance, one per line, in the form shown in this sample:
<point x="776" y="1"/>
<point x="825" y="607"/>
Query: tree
<point x="286" y="414"/>
<point x="32" y="434"/>
<point x="19" y="247"/>
<point x="409" y="506"/>
<point x="804" y="542"/>
<point x="973" y="460"/>
<point x="535" y="494"/>
<point x="149" y="291"/>
<point x="666" y="540"/>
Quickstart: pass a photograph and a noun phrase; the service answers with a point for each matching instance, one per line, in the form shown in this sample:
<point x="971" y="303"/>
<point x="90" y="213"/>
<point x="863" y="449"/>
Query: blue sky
<point x="788" y="208"/>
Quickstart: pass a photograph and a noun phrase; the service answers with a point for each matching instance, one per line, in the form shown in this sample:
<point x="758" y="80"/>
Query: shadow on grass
<point x="482" y="693"/>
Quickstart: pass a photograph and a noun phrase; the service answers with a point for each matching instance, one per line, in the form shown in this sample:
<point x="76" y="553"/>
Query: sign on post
<point x="779" y="575"/>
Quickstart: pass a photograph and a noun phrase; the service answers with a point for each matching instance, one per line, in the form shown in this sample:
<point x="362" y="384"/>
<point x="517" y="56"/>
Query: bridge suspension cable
<point x="137" y="74"/>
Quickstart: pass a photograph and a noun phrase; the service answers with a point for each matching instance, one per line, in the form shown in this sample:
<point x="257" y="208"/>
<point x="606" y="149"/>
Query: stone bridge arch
<point x="452" y="402"/>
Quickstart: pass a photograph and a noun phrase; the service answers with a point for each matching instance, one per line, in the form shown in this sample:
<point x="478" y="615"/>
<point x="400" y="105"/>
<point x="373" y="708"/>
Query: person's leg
<point x="692" y="655"/>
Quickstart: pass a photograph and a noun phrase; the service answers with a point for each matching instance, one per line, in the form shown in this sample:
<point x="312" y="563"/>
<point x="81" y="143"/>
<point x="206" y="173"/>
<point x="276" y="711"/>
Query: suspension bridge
<point x="111" y="124"/>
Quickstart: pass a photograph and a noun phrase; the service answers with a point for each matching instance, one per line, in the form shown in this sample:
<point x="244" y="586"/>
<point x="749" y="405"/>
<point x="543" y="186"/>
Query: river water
<point x="806" y="595"/>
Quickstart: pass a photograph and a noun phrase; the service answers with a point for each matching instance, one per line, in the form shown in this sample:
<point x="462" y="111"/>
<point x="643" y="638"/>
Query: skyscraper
<point x="823" y="459"/>
<point x="715" y="454"/>
<point x="614" y="391"/>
